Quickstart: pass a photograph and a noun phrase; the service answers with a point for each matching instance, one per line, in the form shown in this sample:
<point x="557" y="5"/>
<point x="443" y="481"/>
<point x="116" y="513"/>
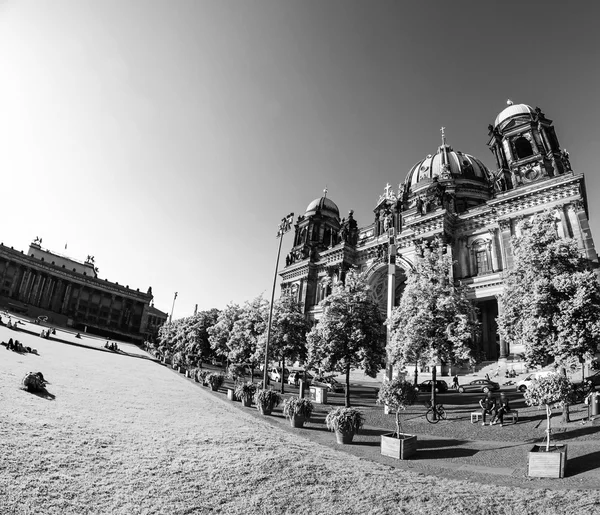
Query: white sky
<point x="168" y="138"/>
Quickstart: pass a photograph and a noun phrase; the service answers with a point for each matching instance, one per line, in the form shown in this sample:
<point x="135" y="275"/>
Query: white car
<point x="524" y="383"/>
<point x="275" y="374"/>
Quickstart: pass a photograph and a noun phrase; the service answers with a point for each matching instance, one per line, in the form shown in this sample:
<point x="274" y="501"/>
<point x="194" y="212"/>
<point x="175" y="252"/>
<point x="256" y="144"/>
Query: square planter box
<point x="231" y="394"/>
<point x="547" y="464"/>
<point x="399" y="448"/>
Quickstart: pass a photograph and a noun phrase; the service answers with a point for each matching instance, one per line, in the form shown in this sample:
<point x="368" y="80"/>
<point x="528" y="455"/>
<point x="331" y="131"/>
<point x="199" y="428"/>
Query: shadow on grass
<point x="44" y="394"/>
<point x="584" y="463"/>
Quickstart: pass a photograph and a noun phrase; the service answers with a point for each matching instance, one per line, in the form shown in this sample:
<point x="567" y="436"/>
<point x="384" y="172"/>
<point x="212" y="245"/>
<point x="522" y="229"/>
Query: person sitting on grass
<point x="34" y="382"/>
<point x="488" y="406"/>
<point x="502" y="409"/>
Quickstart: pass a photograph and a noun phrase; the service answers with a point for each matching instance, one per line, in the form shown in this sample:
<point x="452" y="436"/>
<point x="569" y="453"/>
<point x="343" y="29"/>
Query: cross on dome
<point x="387" y="190"/>
<point x="325" y="191"/>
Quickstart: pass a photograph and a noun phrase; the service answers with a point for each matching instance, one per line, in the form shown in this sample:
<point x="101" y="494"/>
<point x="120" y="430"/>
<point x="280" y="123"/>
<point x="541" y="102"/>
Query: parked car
<point x="218" y="362"/>
<point x="275" y="374"/>
<point x="479" y="385"/>
<point x="594" y="379"/>
<point x="328" y="382"/>
<point x="440" y="386"/>
<point x="524" y="383"/>
<point x="299" y="375"/>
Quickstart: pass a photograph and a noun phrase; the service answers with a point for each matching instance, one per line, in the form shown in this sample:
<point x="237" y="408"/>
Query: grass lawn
<point x="128" y="436"/>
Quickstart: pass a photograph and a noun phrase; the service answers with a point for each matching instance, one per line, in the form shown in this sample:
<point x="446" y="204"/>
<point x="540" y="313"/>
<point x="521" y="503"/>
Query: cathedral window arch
<point x="523" y="148"/>
<point x="481" y="256"/>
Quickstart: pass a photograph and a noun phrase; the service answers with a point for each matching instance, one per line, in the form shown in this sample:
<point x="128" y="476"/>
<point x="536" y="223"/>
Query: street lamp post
<point x="284" y="226"/>
<point x="172" y="308"/>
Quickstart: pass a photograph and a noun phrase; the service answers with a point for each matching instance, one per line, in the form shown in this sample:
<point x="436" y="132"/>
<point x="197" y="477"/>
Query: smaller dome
<point x="513" y="110"/>
<point x="325" y="205"/>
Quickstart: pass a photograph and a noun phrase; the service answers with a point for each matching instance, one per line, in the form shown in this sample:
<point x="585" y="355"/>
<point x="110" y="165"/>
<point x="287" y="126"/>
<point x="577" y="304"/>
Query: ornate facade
<point x="71" y="294"/>
<point x="452" y="195"/>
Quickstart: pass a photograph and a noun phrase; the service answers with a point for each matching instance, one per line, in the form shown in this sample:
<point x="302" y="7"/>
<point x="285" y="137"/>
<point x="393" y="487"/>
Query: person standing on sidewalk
<point x="455" y="382"/>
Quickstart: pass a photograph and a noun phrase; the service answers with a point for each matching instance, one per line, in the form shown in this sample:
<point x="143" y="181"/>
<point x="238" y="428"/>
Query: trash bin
<point x="318" y="394"/>
<point x="595" y="405"/>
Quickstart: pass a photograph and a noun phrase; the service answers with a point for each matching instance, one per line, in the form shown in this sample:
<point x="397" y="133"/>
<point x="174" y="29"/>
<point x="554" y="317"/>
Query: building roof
<point x="512" y="111"/>
<point x="460" y="164"/>
<point x="325" y="205"/>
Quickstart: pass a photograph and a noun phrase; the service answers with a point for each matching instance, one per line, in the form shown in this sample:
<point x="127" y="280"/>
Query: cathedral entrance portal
<point x="378" y="281"/>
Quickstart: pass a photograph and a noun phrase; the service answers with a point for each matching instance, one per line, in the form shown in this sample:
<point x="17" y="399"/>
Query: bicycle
<point x="440" y="413"/>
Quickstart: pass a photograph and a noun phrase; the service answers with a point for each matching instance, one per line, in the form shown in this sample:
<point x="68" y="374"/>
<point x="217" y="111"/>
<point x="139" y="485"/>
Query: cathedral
<point x="452" y="195"/>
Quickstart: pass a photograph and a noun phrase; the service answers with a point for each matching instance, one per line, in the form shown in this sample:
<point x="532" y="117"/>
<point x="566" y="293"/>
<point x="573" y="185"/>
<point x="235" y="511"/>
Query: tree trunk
<point x="416" y="374"/>
<point x="565" y="409"/>
<point x="548" y="414"/>
<point x="433" y="383"/>
<point x="282" y="374"/>
<point x="347" y="395"/>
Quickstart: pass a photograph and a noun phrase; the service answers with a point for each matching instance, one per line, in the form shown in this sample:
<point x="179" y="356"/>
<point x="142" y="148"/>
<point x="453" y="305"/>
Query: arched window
<point x="523" y="148"/>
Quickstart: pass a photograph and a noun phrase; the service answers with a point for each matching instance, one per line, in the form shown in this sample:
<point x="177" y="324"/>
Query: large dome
<point x="325" y="205"/>
<point x="461" y="165"/>
<point x="512" y="111"/>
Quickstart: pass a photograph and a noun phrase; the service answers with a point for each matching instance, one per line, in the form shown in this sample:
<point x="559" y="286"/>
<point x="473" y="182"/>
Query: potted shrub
<point x="346" y="422"/>
<point x="215" y="380"/>
<point x="266" y="400"/>
<point x="397" y="395"/>
<point x="550" y="391"/>
<point x="297" y="410"/>
<point x="245" y="392"/>
<point x="202" y="375"/>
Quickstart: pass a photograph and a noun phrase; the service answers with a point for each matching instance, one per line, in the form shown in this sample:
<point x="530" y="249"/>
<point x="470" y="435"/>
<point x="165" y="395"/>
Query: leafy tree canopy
<point x="350" y="334"/>
<point x="288" y="331"/>
<point x="434" y="319"/>
<point x="551" y="298"/>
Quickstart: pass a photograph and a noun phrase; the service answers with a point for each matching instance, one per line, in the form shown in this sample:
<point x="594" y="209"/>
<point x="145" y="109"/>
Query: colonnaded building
<point x="452" y="195"/>
<point x="70" y="293"/>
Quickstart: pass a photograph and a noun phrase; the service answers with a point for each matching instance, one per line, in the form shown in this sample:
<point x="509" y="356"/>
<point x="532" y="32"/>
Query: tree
<point x="397" y="395"/>
<point x="196" y="333"/>
<point x="434" y="320"/>
<point x="548" y="391"/>
<point x="219" y="334"/>
<point x="350" y="334"/>
<point x="288" y="333"/>
<point x="551" y="299"/>
<point x="246" y="331"/>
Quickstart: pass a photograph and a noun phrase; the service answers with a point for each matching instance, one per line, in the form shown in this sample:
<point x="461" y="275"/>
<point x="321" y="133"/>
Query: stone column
<point x="496" y="266"/>
<point x="581" y="230"/>
<point x="35" y="289"/>
<point x="504" y="350"/>
<point x="65" y="303"/>
<point x="6" y="263"/>
<point x="15" y="281"/>
<point x="463" y="255"/>
<point x="505" y="245"/>
<point x="144" y="321"/>
<point x="110" y="308"/>
<point x="45" y="296"/>
<point x="24" y="284"/>
<point x="562" y="225"/>
<point x="79" y="293"/>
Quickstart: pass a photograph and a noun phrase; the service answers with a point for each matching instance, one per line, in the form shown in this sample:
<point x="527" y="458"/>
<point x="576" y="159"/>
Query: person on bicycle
<point x="488" y="406"/>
